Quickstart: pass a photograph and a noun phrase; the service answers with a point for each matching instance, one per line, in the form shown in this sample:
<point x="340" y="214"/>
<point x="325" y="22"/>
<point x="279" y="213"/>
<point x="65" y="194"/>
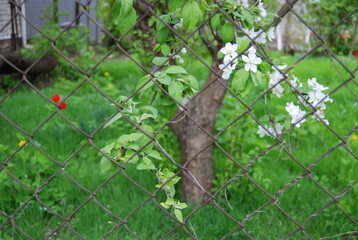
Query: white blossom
<point x="296" y="114"/>
<point x="263" y="12"/>
<point x="229" y="48"/>
<point x="275" y="77"/>
<point x="179" y="25"/>
<point x="315" y="85"/>
<point x="296" y="82"/>
<point x="271" y="131"/>
<point x="227" y="70"/>
<point x="183" y="50"/>
<point x="262" y="132"/>
<point x="271" y="34"/>
<point x="230" y="52"/>
<point x="181" y="60"/>
<point x="251" y="60"/>
<point x="252" y="34"/>
<point x="244" y="3"/>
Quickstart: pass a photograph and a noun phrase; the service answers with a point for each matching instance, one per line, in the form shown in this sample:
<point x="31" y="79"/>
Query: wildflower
<point x="56" y="98"/>
<point x="355" y="54"/>
<point x="251" y="60"/>
<point x="63" y="105"/>
<point x="183" y="50"/>
<point x="355" y="137"/>
<point x="22" y="143"/>
<point x="296" y="114"/>
<point x="106" y="74"/>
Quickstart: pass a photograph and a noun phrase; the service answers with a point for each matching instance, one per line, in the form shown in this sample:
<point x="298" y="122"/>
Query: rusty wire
<point x="306" y="171"/>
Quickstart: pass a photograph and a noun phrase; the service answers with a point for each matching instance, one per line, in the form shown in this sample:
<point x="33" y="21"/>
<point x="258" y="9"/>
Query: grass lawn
<point x="88" y="109"/>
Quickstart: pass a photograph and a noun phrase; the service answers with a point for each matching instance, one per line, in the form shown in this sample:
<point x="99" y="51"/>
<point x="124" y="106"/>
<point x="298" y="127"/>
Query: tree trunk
<point x="199" y="173"/>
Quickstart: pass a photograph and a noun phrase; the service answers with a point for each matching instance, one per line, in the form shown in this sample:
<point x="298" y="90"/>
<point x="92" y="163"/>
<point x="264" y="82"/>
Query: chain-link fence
<point x="67" y="215"/>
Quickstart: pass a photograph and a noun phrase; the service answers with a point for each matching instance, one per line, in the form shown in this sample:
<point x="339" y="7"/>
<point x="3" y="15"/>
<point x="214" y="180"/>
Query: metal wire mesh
<point x="66" y="221"/>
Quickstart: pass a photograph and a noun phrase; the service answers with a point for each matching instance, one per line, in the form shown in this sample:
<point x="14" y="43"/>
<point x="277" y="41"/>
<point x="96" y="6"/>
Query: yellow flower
<point x="106" y="74"/>
<point x="110" y="85"/>
<point x="21" y="143"/>
<point x="355" y="137"/>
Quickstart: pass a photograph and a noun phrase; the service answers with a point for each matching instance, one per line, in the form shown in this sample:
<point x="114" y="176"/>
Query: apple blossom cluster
<point x="177" y="56"/>
<point x="296" y="114"/>
<point x="317" y="99"/>
<point x="271" y="131"/>
<point x="230" y="59"/>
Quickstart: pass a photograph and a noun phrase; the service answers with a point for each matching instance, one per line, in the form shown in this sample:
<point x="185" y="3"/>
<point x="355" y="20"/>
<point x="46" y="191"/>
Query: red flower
<point x="63" y="105"/>
<point x="56" y="98"/>
<point x="356" y="54"/>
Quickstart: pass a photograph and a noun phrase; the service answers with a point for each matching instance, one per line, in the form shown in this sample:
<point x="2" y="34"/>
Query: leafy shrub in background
<point x="73" y="43"/>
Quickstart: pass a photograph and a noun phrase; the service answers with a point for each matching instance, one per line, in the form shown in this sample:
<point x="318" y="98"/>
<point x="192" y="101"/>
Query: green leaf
<point x="176" y="90"/>
<point x="191" y="14"/>
<point x="105" y="164"/>
<point x="261" y="80"/>
<point x="154" y="154"/>
<point x="253" y="77"/>
<point x="192" y="82"/>
<point x="176" y="70"/>
<point x="107" y="149"/>
<point x="173" y="5"/>
<point x="164" y="205"/>
<point x="126" y="6"/>
<point x="247" y="89"/>
<point x="128" y="155"/>
<point x="180" y="205"/>
<point x="174" y="180"/>
<point x="143" y="166"/>
<point x="239" y="81"/>
<point x="115" y="118"/>
<point x="227" y="32"/>
<point x="165" y="49"/>
<point x="151" y="109"/>
<point x="147" y="161"/>
<point x="126" y="20"/>
<point x="243" y="43"/>
<point x="134" y="137"/>
<point x="205" y="5"/>
<point x="142" y="81"/>
<point x="164" y="78"/>
<point x="170" y="201"/>
<point x="159" y="60"/>
<point x="146" y="115"/>
<point x="160" y="25"/>
<point x="248" y="17"/>
<point x="178" y="215"/>
<point x="162" y="35"/>
<point x="215" y="21"/>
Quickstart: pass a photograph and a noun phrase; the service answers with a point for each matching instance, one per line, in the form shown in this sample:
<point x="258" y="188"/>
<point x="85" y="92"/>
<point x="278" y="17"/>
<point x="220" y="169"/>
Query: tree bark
<point x="199" y="173"/>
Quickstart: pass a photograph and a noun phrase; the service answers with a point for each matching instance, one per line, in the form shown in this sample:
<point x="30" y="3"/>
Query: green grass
<point x="88" y="109"/>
